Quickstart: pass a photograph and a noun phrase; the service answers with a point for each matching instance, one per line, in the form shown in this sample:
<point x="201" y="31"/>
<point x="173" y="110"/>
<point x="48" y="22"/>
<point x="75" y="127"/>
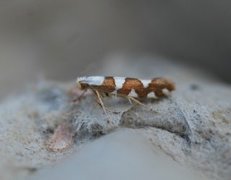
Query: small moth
<point x="130" y="88"/>
<point x="124" y="86"/>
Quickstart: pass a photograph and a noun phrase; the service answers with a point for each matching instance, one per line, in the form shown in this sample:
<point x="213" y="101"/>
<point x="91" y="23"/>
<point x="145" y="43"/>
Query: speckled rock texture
<point x="192" y="126"/>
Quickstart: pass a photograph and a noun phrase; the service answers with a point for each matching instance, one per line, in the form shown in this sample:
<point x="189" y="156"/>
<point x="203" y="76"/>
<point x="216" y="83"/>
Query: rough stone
<point x="192" y="126"/>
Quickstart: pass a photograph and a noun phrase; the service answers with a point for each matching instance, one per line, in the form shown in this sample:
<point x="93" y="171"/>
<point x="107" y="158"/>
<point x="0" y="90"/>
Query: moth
<point x="131" y="88"/>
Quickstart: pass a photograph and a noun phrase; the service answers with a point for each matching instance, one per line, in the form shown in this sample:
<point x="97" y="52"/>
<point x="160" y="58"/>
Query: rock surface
<point x="123" y="154"/>
<point x="191" y="127"/>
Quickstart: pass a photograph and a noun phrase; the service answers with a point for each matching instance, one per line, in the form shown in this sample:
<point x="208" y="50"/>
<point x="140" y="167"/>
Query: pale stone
<point x="190" y="128"/>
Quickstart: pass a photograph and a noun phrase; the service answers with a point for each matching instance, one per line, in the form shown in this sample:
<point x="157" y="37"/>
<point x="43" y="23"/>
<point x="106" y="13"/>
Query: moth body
<point x="126" y="86"/>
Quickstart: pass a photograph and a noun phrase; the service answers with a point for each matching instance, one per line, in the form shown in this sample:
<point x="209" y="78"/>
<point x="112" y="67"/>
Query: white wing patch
<point x="145" y="83"/>
<point x="91" y="80"/>
<point x="133" y="93"/>
<point x="119" y="81"/>
<point x="151" y="95"/>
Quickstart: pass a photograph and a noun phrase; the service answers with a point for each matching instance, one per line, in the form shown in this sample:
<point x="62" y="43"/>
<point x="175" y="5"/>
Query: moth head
<point x="89" y="81"/>
<point x="80" y="81"/>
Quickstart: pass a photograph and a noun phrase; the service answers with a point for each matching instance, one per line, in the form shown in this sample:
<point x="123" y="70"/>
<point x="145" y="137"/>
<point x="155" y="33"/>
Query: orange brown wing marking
<point x="158" y="84"/>
<point x="133" y="83"/>
<point x="108" y="85"/>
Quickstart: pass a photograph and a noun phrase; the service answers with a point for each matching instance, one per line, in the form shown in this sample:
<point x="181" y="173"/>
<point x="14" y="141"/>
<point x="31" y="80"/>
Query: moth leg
<point x="100" y="101"/>
<point x="130" y="101"/>
<point x="77" y="99"/>
<point x="130" y="98"/>
<point x="102" y="105"/>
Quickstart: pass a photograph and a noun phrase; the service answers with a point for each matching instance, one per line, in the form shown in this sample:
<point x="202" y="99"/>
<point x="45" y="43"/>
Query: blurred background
<point x="59" y="39"/>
